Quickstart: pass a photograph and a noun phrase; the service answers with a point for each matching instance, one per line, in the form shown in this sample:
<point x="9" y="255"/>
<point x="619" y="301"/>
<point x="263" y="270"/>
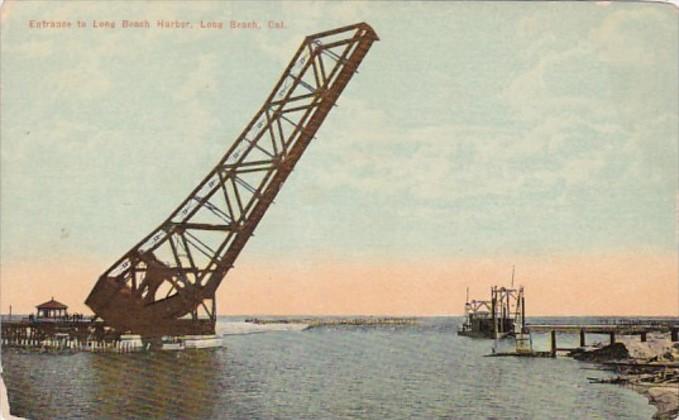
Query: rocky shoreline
<point x="650" y="368"/>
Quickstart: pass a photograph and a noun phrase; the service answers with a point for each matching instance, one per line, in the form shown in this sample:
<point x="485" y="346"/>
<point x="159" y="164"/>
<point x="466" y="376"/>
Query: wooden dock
<point x="612" y="329"/>
<point x="66" y="335"/>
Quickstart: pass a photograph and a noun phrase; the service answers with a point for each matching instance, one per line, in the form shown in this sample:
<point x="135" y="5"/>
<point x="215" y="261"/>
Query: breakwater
<point x="336" y="322"/>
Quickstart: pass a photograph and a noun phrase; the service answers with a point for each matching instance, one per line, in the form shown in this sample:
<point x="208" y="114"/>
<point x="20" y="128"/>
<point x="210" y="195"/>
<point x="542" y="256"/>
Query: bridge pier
<point x="643" y="337"/>
<point x="674" y="333"/>
<point x="612" y="336"/>
<point x="582" y="338"/>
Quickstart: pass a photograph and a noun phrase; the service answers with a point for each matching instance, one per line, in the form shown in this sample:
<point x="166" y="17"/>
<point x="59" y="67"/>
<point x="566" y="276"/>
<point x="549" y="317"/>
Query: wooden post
<point x="508" y="312"/>
<point x="553" y="334"/>
<point x="523" y="314"/>
<point x="492" y="310"/>
<point x="675" y="334"/>
<point x="582" y="338"/>
<point x="643" y="337"/>
<point x="612" y="335"/>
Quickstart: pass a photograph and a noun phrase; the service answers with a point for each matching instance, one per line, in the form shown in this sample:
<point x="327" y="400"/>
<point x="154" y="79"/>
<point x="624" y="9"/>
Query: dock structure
<point x="54" y="329"/>
<point x="66" y="334"/>
<point x="640" y="328"/>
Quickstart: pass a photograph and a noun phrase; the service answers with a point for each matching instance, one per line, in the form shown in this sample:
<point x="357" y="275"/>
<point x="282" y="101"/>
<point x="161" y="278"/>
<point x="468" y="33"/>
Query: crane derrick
<point x="166" y="284"/>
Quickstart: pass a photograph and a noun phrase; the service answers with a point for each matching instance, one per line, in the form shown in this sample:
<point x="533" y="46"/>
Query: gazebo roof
<point x="52" y="304"/>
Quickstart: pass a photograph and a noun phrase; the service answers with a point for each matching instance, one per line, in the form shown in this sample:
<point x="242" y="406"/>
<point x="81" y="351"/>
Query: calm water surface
<point x="421" y="371"/>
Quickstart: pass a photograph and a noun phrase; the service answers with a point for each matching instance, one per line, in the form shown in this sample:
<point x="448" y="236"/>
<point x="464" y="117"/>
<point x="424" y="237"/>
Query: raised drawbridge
<point x="165" y="285"/>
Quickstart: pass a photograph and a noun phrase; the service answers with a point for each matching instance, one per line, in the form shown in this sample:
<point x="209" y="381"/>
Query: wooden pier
<point x="640" y="328"/>
<point x="66" y="335"/>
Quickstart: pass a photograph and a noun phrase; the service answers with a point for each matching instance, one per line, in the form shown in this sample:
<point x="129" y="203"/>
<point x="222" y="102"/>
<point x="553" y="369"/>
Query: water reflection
<point x="103" y="385"/>
<point x="158" y="384"/>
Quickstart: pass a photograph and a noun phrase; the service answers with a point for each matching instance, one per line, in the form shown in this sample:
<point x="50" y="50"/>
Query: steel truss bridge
<point x="165" y="284"/>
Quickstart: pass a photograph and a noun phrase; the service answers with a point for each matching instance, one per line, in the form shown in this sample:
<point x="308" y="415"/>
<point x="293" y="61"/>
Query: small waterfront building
<point x="52" y="309"/>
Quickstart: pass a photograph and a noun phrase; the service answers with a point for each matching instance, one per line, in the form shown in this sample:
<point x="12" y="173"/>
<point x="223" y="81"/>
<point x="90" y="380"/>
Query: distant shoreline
<point x="332" y="322"/>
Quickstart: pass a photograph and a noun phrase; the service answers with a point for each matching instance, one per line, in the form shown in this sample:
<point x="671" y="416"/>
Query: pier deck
<point x="617" y="328"/>
<point x="63" y="334"/>
<point x="641" y="328"/>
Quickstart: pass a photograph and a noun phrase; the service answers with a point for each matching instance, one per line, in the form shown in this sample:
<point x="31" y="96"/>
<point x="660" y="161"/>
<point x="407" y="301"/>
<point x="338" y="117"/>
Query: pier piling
<point x="623" y="327"/>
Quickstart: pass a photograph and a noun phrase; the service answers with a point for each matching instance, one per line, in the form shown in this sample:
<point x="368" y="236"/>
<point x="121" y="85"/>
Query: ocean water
<point x="416" y="371"/>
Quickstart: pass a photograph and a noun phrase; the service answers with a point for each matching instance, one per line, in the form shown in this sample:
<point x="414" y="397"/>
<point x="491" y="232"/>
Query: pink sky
<point x="634" y="283"/>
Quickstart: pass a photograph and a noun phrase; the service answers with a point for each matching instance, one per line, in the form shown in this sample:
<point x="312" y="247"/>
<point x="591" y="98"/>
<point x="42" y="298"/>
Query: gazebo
<point x="52" y="309"/>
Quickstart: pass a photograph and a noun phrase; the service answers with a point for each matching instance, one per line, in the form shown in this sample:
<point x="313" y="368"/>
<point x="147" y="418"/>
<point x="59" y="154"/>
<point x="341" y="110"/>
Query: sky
<point x="477" y="136"/>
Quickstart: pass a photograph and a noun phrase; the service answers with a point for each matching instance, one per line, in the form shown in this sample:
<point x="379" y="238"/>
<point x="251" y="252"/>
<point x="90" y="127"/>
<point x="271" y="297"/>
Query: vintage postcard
<point x="334" y="209"/>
